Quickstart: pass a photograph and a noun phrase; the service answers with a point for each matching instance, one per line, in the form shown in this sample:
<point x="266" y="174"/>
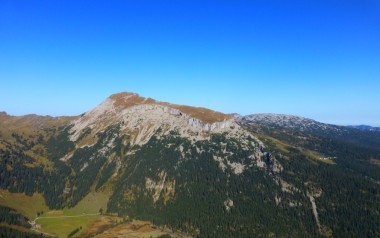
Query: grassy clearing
<point x="284" y="147"/>
<point x="64" y="225"/>
<point x="316" y="156"/>
<point x="27" y="205"/>
<point x="279" y="145"/>
<point x="90" y="204"/>
<point x="57" y="223"/>
<point x="30" y="205"/>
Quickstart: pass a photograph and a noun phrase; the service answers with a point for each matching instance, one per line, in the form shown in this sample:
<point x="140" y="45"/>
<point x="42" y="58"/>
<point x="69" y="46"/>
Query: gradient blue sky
<point x="317" y="59"/>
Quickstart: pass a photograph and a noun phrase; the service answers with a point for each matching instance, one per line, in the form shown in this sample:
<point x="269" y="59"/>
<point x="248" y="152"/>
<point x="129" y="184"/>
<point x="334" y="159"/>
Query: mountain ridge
<point x="124" y="100"/>
<point x="365" y="127"/>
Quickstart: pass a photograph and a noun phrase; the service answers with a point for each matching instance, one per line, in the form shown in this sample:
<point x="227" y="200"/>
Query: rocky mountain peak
<point x="145" y="115"/>
<point x="127" y="99"/>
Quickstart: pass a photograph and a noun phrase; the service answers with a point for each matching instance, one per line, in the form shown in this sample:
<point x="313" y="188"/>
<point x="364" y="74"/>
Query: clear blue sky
<point x="318" y="59"/>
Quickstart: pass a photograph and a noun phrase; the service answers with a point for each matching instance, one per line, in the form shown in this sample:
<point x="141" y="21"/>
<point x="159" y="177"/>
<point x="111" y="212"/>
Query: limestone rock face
<point x="145" y="116"/>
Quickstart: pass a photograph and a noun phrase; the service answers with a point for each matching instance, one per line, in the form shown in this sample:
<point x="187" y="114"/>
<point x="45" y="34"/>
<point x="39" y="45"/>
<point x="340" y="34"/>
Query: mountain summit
<point x="124" y="100"/>
<point x="144" y="116"/>
<point x="193" y="170"/>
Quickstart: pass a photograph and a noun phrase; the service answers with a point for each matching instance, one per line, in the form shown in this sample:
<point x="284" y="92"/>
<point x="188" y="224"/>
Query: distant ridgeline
<point x="198" y="171"/>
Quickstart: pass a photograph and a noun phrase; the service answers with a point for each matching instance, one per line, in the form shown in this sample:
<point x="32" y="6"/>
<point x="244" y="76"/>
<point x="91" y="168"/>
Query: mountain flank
<point x="134" y="164"/>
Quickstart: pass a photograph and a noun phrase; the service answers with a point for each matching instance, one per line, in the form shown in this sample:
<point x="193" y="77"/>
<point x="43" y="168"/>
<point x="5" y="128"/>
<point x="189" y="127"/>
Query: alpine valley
<point x="137" y="167"/>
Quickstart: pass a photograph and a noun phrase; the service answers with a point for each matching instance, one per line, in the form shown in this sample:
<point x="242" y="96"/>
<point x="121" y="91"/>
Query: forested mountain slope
<point x="201" y="172"/>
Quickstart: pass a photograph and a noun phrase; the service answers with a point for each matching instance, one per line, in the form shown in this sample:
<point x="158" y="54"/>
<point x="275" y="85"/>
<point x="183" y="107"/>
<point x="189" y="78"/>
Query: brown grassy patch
<point x="204" y="114"/>
<point x="87" y="140"/>
<point x="100" y="224"/>
<point x="138" y="229"/>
